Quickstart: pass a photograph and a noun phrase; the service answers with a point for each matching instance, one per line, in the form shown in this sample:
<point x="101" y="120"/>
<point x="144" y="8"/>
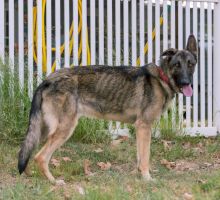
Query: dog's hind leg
<point x="54" y="141"/>
<point x="63" y="130"/>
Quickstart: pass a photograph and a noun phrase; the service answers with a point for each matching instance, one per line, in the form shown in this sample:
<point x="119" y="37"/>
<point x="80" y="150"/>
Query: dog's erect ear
<point x="192" y="45"/>
<point x="169" y="52"/>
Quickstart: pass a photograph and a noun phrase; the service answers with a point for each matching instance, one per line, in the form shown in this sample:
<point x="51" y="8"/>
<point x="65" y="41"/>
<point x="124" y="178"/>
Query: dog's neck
<point x="164" y="64"/>
<point x="163" y="76"/>
<point x="163" y="73"/>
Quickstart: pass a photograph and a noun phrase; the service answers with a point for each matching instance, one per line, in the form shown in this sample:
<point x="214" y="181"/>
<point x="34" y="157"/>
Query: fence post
<point x="216" y="69"/>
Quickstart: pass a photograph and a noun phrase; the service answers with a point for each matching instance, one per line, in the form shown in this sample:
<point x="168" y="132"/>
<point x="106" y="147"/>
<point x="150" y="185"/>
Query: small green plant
<point x="14" y="105"/>
<point x="91" y="131"/>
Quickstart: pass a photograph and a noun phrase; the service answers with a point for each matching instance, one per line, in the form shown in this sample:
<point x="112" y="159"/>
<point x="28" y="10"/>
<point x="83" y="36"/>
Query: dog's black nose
<point x="184" y="82"/>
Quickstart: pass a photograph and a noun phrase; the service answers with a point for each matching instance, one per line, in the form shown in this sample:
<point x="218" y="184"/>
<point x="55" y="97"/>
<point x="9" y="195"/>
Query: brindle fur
<point x="134" y="95"/>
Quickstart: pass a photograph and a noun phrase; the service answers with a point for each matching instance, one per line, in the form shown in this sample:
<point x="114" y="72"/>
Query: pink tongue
<point x="187" y="90"/>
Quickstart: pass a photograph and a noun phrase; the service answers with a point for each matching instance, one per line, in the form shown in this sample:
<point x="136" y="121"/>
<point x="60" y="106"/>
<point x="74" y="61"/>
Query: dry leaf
<point x="115" y="143"/>
<point x="104" y="166"/>
<point x="99" y="150"/>
<point x="186" y="145"/>
<point x="87" y="169"/>
<point x="208" y="164"/>
<point x="167" y="144"/>
<point x="198" y="150"/>
<point x="201" y="181"/>
<point x="129" y="188"/>
<point x="167" y="164"/>
<point x="200" y="145"/>
<point x="55" y="162"/>
<point x="66" y="159"/>
<point x="183" y="165"/>
<point x="187" y="196"/>
<point x="80" y="189"/>
<point x="123" y="137"/>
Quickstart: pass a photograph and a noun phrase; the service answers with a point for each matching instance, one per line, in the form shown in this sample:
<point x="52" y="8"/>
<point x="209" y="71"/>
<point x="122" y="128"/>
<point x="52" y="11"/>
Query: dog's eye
<point x="190" y="65"/>
<point x="177" y="65"/>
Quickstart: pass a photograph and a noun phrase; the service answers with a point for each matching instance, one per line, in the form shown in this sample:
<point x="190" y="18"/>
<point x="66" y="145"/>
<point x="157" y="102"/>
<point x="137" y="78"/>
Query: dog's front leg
<point x="143" y="136"/>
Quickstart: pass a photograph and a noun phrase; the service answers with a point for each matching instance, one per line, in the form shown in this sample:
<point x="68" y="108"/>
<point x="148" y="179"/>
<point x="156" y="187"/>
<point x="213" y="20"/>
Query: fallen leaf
<point x="123" y="137"/>
<point x="66" y="159"/>
<point x="167" y="164"/>
<point x="187" y="196"/>
<point x="104" y="166"/>
<point x="183" y="165"/>
<point x="198" y="150"/>
<point x="186" y="145"/>
<point x="87" y="169"/>
<point x="134" y="171"/>
<point x="55" y="162"/>
<point x="200" y="145"/>
<point x="154" y="189"/>
<point x="99" y="150"/>
<point x="80" y="189"/>
<point x="115" y="143"/>
<point x="200" y="181"/>
<point x="167" y="144"/>
<point x="207" y="165"/>
<point x="129" y="188"/>
<point x="119" y="140"/>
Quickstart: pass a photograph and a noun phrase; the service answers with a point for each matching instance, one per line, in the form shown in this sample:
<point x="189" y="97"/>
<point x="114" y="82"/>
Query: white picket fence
<point x="114" y="32"/>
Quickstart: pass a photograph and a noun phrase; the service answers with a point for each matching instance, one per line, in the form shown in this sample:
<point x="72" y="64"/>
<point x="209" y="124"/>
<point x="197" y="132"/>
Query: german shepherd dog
<point x="136" y="95"/>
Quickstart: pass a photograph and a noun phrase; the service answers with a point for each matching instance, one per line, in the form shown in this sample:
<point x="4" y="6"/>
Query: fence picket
<point x="180" y="46"/>
<point x="84" y="29"/>
<point x="57" y="32"/>
<point x="49" y="37"/>
<point x="141" y="32"/>
<point x="101" y="32"/>
<point x="75" y="33"/>
<point x="195" y="76"/>
<point x="21" y="42"/>
<point x="117" y="33"/>
<point x="202" y="64"/>
<point x="134" y="32"/>
<point x="2" y="30"/>
<point x="66" y="26"/>
<point x="126" y="44"/>
<point x="209" y="21"/>
<point x="39" y="41"/>
<point x="157" y="26"/>
<point x="149" y="31"/>
<point x="173" y="45"/>
<point x="188" y="99"/>
<point x="30" y="48"/>
<point x="109" y="24"/>
<point x="11" y="34"/>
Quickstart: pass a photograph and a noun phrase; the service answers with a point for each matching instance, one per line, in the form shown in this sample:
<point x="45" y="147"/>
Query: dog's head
<point x="179" y="65"/>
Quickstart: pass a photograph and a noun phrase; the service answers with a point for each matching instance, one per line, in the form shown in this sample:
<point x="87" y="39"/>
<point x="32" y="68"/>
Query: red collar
<point x="163" y="76"/>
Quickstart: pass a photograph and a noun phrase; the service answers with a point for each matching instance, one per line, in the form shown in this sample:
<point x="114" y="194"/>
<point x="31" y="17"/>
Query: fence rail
<point x="51" y="34"/>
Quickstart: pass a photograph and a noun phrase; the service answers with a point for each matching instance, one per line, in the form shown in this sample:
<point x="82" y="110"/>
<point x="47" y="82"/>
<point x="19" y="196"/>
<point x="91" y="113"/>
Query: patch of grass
<point x="91" y="131"/>
<point x="21" y="191"/>
<point x="209" y="188"/>
<point x="119" y="182"/>
<point x="14" y="106"/>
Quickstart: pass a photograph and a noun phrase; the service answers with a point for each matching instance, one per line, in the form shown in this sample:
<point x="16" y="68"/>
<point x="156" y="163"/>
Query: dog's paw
<point x="147" y="177"/>
<point x="28" y="172"/>
<point x="60" y="182"/>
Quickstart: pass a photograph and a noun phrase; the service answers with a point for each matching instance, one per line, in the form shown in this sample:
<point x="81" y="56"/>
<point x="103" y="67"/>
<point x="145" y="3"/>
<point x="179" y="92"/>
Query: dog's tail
<point x="34" y="129"/>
